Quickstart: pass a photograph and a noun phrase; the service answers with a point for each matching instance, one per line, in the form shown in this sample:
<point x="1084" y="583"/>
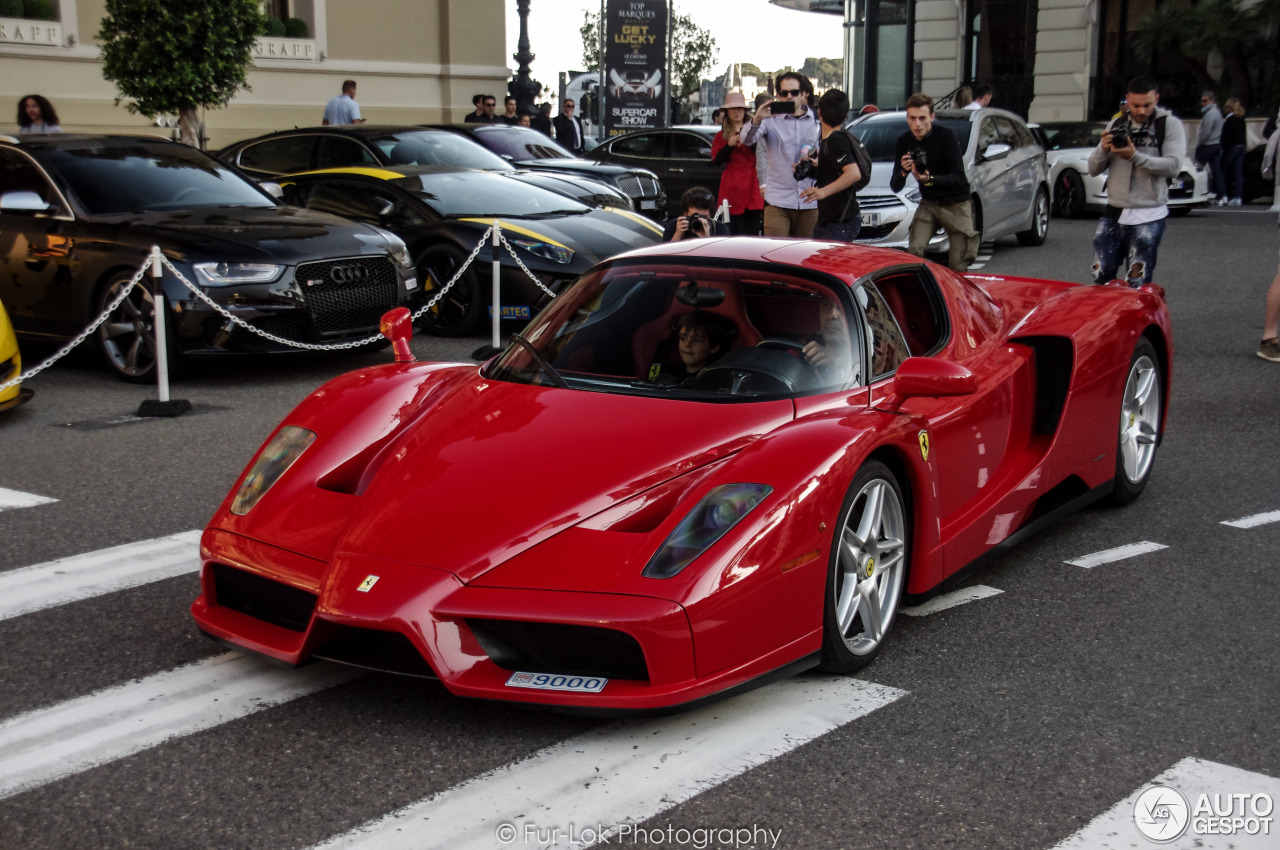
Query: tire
<point x="1179" y="212"/>
<point x="1068" y="194"/>
<point x="460" y="312"/>
<point x="127" y="338"/>
<point x="1140" y="412"/>
<point x="872" y="535"/>
<point x="1039" y="230"/>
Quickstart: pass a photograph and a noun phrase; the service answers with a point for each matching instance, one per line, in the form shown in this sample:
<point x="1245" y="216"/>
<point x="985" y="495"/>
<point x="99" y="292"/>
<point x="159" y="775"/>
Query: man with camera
<point x="695" y="221"/>
<point x="1140" y="152"/>
<point x="836" y="171"/>
<point x="931" y="153"/>
<point x="790" y="130"/>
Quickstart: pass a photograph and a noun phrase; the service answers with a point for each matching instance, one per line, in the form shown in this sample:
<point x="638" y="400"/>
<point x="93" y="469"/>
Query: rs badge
<point x="924" y="446"/>
<point x="367" y="584"/>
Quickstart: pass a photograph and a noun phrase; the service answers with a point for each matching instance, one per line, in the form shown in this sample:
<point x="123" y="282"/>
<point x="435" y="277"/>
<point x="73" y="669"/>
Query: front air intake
<point x="267" y="600"/>
<point x="558" y="648"/>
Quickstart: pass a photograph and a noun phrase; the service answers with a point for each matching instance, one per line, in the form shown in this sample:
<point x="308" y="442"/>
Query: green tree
<point x="167" y="57"/>
<point x="693" y="50"/>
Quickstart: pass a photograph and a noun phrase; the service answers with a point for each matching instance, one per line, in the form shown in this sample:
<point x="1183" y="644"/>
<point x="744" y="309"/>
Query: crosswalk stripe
<point x="10" y="499"/>
<point x="34" y="588"/>
<point x="623" y="773"/>
<point x="1253" y="521"/>
<point x="950" y="600"/>
<point x="48" y="744"/>
<point x="1117" y="554"/>
<point x="1191" y="777"/>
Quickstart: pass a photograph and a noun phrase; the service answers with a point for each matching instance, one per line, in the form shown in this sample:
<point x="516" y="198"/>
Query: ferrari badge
<point x="367" y="584"/>
<point x="924" y="446"/>
<point x="871" y="567"/>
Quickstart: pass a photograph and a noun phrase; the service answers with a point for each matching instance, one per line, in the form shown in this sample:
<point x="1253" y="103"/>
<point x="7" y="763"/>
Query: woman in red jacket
<point x="739" y="184"/>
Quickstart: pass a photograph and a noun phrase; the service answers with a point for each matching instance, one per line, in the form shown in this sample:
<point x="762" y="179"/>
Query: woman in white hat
<point x="739" y="184"/>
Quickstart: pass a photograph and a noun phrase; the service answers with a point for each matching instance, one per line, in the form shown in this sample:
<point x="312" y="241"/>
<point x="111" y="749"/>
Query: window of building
<point x="1000" y="48"/>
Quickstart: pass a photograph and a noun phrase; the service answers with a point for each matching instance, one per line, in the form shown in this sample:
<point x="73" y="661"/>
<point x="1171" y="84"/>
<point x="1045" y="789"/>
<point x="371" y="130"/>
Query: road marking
<point x="34" y="588"/>
<point x="985" y="252"/>
<point x="950" y="600"/>
<point x="626" y="772"/>
<point x="17" y="499"/>
<point x="48" y="744"/>
<point x="1192" y="777"/>
<point x="1253" y="521"/>
<point x="1117" y="554"/>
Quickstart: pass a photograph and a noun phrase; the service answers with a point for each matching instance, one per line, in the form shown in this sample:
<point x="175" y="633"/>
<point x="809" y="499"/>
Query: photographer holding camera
<point x="932" y="155"/>
<point x="695" y="222"/>
<point x="1140" y="152"/>
<point x="837" y="173"/>
<point x="790" y="131"/>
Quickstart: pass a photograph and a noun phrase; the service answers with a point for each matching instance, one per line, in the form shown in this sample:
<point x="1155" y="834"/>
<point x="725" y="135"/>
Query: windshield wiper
<point x="556" y="377"/>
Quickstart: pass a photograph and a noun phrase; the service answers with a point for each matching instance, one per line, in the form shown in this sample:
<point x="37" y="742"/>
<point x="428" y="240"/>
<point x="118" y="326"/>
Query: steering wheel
<point x="779" y="344"/>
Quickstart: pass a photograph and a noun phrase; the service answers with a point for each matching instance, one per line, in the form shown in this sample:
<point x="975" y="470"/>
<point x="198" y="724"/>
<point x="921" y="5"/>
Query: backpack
<point x="864" y="163"/>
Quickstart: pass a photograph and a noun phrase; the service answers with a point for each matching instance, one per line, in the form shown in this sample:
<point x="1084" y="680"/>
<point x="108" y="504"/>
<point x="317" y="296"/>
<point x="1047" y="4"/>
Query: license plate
<point x="648" y="205"/>
<point x="512" y="312"/>
<point x="556" y="682"/>
<point x="871" y="219"/>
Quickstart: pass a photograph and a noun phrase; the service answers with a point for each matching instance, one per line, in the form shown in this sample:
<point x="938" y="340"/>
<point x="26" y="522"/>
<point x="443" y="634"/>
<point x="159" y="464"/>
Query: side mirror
<point x="508" y="157"/>
<point x="22" y="201"/>
<point x="998" y="150"/>
<point x="383" y="207"/>
<point x="928" y="376"/>
<point x="397" y="326"/>
<point x="273" y="189"/>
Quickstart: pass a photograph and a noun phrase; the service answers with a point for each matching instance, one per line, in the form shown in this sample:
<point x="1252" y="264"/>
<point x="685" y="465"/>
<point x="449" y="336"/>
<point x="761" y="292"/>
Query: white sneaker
<point x="1235" y="202"/>
<point x="1220" y="202"/>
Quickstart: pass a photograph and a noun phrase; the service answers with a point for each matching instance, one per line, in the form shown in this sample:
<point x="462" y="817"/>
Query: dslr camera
<point x="921" y="159"/>
<point x="806" y="170"/>
<point x="1120" y="137"/>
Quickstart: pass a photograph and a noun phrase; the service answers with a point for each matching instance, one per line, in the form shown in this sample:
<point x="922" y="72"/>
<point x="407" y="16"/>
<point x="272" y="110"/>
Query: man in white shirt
<point x="791" y="136"/>
<point x="982" y="94"/>
<point x="343" y="109"/>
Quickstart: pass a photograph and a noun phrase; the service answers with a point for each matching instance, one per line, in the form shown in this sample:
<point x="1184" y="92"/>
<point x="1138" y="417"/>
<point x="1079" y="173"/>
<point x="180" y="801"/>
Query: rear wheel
<point x="867" y="570"/>
<point x="127" y="338"/>
<point x="1039" y="229"/>
<point x="1140" y="410"/>
<point x="1068" y="194"/>
<point x="460" y="311"/>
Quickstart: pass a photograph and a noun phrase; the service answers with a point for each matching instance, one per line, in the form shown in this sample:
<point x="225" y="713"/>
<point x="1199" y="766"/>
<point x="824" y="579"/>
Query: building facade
<point x="415" y="61"/>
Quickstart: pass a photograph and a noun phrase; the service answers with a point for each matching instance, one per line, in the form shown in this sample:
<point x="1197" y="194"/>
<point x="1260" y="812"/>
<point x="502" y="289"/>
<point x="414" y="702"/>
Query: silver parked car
<point x="1004" y="162"/>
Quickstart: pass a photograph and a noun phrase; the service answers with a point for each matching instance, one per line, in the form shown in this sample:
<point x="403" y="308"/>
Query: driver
<point x="829" y="347"/>
<point x="701" y="337"/>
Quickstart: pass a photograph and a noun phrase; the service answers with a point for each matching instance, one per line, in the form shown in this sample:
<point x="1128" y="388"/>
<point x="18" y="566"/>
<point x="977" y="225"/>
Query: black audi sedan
<point x="79" y="214"/>
<point x="530" y="149"/>
<point x="310" y="148"/>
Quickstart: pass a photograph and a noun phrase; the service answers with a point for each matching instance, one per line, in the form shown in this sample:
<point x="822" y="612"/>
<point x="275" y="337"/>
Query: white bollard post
<point x="497" y="276"/>
<point x="157" y="296"/>
<point x="723" y="214"/>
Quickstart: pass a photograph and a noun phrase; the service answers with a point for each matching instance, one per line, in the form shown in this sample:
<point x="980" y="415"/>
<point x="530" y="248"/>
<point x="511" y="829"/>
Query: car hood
<point x="492" y="469"/>
<point x="881" y="172"/>
<point x="281" y="234"/>
<point x="595" y="235"/>
<point x="584" y="166"/>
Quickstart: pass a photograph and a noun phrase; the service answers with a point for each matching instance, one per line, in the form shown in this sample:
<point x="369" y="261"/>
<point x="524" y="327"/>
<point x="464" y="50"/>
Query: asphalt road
<point x="1015" y="719"/>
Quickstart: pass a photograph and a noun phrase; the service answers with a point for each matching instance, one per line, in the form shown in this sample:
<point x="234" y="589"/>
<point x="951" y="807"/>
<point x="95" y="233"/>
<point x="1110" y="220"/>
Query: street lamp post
<point x="523" y="87"/>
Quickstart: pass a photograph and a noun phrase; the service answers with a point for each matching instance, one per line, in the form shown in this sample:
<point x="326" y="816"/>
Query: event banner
<point x="635" y="61"/>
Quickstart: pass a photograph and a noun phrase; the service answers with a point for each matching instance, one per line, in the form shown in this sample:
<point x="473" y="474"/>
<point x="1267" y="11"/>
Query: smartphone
<point x="782" y="107"/>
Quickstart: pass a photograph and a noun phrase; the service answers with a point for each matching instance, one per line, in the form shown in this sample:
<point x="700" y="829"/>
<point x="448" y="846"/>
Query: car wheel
<point x="1039" y="229"/>
<point x="459" y="312"/>
<point x="127" y="337"/>
<point x="1179" y="212"/>
<point x="1140" y="412"/>
<point x="867" y="570"/>
<point x="1068" y="196"/>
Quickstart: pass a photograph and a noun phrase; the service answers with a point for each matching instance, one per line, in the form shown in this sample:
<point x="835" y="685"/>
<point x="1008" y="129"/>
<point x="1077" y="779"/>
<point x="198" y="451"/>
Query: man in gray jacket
<point x="1209" y="146"/>
<point x="1142" y="151"/>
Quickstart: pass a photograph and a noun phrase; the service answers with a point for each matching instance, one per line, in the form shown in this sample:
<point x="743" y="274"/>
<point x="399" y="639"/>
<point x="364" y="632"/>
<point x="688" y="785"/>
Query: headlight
<point x="913" y="196"/>
<point x="399" y="251"/>
<point x="709" y="520"/>
<point x="545" y="250"/>
<point x="285" y="448"/>
<point x="226" y="274"/>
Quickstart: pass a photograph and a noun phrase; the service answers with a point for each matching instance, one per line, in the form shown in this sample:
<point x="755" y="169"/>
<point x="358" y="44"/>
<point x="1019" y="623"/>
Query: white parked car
<point x="1074" y="191"/>
<point x="1004" y="161"/>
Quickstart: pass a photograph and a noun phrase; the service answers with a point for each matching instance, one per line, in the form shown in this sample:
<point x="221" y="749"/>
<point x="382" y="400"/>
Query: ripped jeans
<point x="1135" y="244"/>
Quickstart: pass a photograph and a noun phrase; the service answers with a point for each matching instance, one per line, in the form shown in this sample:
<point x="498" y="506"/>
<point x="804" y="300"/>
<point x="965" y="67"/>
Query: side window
<point x="915" y="303"/>
<point x="337" y="152"/>
<point x="19" y="174"/>
<point x="287" y="155"/>
<point x="987" y="134"/>
<point x="649" y="147"/>
<point x="1025" y="137"/>
<point x="1004" y="128"/>
<point x="687" y="146"/>
<point x="358" y="202"/>
<point x="888" y="347"/>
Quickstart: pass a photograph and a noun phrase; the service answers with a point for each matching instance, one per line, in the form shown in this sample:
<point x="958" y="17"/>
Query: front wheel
<point x="1068" y="196"/>
<point x="460" y="311"/>
<point x="867" y="570"/>
<point x="1140" y="410"/>
<point x="127" y="338"/>
<point x="1039" y="229"/>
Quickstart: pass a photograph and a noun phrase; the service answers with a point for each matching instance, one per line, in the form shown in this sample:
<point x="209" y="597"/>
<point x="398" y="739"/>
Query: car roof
<point x="391" y="172"/>
<point x="849" y="262"/>
<point x="952" y="114"/>
<point x="352" y="130"/>
<point x="69" y="141"/>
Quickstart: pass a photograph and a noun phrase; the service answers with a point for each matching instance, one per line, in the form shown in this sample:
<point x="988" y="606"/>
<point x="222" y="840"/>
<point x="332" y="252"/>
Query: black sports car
<point x="680" y="156"/>
<point x="532" y="150"/>
<point x="79" y="214"/>
<point x="291" y="151"/>
<point x="442" y="213"/>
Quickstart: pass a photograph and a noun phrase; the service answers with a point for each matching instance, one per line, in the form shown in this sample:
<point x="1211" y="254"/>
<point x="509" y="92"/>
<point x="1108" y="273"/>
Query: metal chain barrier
<point x="474" y="251"/>
<point x="523" y="267"/>
<point x="85" y="334"/>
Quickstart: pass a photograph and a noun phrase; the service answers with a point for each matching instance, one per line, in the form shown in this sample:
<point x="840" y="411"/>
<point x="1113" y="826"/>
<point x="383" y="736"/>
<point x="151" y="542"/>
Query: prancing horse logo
<point x="367" y="584"/>
<point x="924" y="446"/>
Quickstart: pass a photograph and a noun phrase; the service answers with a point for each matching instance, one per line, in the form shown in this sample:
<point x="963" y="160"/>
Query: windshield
<point x="520" y="143"/>
<point x="1065" y="136"/>
<point x="722" y="333"/>
<point x="437" y="147"/>
<point x="115" y="178"/>
<point x="477" y="193"/>
<point x="879" y="136"/>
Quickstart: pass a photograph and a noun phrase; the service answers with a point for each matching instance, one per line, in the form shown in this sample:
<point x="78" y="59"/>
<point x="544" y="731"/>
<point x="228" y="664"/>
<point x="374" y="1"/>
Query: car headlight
<point x="709" y="520"/>
<point x="545" y="250"/>
<point x="913" y="195"/>
<point x="227" y="274"/>
<point x="274" y="460"/>
<point x="399" y="251"/>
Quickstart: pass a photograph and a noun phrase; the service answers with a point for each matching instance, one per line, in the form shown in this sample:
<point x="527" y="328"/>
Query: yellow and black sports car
<point x="441" y="212"/>
<point x="10" y="365"/>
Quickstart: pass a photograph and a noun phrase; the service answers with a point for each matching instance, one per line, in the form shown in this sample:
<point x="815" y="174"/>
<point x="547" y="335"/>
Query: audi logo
<point x="350" y="273"/>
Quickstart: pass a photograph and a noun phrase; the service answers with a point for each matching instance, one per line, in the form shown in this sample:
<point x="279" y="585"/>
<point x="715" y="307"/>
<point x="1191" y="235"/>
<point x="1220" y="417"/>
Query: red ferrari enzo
<point x="705" y="465"/>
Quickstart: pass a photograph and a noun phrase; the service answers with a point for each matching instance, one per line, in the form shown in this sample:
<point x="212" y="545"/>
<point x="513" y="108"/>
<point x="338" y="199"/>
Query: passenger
<point x="701" y="337"/>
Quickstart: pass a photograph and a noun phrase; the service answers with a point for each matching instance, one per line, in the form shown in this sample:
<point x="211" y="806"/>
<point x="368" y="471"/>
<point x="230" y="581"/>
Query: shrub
<point x="275" y="27"/>
<point x="10" y="8"/>
<point x="296" y="28"/>
<point x="38" y="10"/>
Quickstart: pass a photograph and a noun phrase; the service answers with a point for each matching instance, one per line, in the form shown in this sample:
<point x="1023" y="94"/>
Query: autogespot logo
<point x="1161" y="813"/>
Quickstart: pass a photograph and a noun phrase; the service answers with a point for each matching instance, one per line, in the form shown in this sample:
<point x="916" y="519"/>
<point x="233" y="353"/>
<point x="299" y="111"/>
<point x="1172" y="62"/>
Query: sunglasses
<point x="789" y="92"/>
<point x="490" y="103"/>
